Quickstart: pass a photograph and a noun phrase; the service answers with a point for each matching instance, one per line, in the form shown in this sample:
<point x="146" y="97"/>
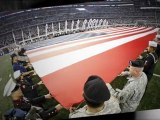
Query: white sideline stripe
<point x="83" y="42"/>
<point x="83" y="38"/>
<point x="50" y="65"/>
<point x="156" y="75"/>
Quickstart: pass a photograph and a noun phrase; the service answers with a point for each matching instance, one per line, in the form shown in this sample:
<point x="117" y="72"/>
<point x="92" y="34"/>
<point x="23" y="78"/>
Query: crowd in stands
<point x="28" y="20"/>
<point x="50" y="30"/>
<point x="100" y="101"/>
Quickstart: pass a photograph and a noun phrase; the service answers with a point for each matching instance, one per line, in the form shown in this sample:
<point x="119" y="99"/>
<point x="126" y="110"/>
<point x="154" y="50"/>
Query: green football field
<point x="150" y="99"/>
<point x="5" y="71"/>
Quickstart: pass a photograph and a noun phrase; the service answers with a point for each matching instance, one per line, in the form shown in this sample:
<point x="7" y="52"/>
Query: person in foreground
<point x="30" y="106"/>
<point x="98" y="100"/>
<point x="132" y="93"/>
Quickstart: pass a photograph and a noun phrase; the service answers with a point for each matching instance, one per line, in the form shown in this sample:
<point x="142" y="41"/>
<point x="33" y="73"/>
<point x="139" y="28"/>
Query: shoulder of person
<point x="78" y="113"/>
<point x="155" y="55"/>
<point x="150" y="56"/>
<point x="144" y="75"/>
<point x="113" y="100"/>
<point x="113" y="105"/>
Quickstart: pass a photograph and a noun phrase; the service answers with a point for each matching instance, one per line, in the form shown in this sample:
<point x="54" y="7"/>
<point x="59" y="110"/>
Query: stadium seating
<point x="42" y="23"/>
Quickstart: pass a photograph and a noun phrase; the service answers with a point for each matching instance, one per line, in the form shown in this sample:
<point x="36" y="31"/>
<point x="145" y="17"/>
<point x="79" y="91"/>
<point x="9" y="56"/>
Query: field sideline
<point x="150" y="100"/>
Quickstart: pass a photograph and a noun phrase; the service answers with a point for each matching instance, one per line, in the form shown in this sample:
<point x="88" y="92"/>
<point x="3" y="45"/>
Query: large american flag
<point x="65" y="67"/>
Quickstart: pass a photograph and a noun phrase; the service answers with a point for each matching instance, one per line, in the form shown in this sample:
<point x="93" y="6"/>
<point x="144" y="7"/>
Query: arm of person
<point x="113" y="92"/>
<point x="125" y="73"/>
<point x="23" y="105"/>
<point x="41" y="99"/>
<point x="27" y="73"/>
<point x="148" y="62"/>
<point x="50" y="112"/>
<point x="36" y="85"/>
<point x="110" y="88"/>
<point x="125" y="94"/>
<point x="74" y="113"/>
<point x="28" y="65"/>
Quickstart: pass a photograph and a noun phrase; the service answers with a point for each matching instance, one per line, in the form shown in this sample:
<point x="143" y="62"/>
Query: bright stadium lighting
<point x="81" y="9"/>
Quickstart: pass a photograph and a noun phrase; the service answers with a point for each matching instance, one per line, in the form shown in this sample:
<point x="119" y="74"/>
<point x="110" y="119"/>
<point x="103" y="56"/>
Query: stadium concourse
<point x="64" y="67"/>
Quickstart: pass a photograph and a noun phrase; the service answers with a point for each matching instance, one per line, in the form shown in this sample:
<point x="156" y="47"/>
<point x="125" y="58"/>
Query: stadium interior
<point x="39" y="23"/>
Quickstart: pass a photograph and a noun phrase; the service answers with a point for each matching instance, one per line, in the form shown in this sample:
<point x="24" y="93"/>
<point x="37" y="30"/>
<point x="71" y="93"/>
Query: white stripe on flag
<point x="109" y="29"/>
<point x="83" y="42"/>
<point x="50" y="65"/>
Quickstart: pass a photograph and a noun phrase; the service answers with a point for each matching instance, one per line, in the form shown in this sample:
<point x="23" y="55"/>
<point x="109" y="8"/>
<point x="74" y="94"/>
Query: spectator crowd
<point x="30" y="25"/>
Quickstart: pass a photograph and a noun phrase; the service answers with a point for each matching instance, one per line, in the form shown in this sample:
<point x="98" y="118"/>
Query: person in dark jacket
<point x="150" y="60"/>
<point x="29" y="90"/>
<point x="158" y="47"/>
<point x="20" y="102"/>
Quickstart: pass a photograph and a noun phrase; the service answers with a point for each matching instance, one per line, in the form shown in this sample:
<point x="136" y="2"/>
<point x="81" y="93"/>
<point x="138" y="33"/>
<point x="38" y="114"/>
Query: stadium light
<point x="81" y="9"/>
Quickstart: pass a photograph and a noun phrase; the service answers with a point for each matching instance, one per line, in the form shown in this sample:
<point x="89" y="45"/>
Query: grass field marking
<point x="10" y="76"/>
<point x="156" y="75"/>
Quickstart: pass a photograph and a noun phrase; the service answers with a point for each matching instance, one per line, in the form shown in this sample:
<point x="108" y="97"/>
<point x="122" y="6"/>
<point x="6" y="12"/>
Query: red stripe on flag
<point x="66" y="85"/>
<point x="65" y="43"/>
<point x="58" y="52"/>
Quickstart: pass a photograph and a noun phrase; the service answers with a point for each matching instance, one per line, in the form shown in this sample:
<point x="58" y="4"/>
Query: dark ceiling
<point x="25" y="4"/>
